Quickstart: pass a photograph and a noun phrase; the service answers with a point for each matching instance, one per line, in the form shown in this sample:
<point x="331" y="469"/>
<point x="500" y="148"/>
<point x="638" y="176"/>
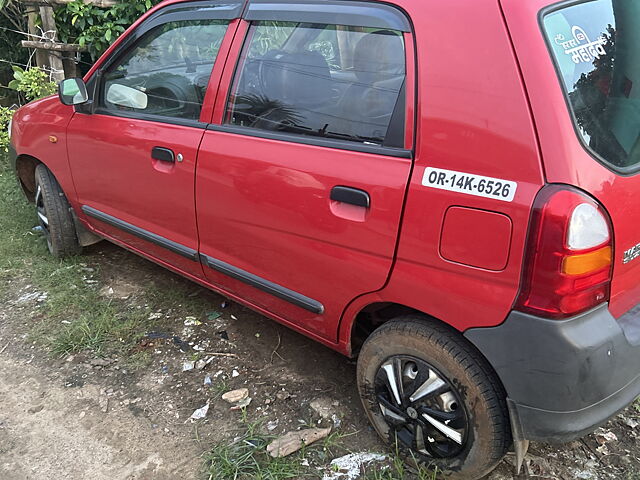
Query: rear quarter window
<point x="596" y="49"/>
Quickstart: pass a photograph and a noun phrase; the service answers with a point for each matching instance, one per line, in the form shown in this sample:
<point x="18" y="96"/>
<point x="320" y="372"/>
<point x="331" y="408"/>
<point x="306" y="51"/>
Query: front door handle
<point x="353" y="196"/>
<point x="163" y="154"/>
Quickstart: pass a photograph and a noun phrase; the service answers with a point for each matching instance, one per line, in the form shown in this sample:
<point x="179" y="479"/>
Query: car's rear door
<point x="302" y="175"/>
<point x="133" y="152"/>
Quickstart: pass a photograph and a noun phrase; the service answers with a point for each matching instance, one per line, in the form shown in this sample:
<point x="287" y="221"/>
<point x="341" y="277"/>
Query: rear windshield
<point x="596" y="47"/>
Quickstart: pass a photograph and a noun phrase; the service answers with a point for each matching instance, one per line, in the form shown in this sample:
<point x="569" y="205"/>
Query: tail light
<point x="568" y="260"/>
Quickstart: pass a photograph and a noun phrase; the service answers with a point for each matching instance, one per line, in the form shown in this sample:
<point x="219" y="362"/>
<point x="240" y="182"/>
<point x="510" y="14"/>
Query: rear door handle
<point x="351" y="195"/>
<point x="163" y="154"/>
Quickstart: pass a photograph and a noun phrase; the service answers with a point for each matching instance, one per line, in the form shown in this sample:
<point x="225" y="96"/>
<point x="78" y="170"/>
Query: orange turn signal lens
<point x="587" y="262"/>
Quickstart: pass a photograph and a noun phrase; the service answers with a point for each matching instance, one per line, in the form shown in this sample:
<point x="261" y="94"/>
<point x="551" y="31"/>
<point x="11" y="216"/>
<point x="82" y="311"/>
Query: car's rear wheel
<point x="429" y="394"/>
<point x="54" y="215"/>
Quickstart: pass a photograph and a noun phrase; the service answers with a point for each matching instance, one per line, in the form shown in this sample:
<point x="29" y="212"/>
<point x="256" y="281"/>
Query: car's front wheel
<point x="54" y="215"/>
<point x="433" y="397"/>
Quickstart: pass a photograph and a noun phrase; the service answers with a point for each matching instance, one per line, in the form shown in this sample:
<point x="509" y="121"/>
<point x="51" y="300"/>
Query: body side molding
<point x="264" y="285"/>
<point x="175" y="247"/>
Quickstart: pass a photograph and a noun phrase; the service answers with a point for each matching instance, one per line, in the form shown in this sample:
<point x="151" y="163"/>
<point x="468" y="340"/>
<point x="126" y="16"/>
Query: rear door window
<point x="596" y="48"/>
<point x="320" y="80"/>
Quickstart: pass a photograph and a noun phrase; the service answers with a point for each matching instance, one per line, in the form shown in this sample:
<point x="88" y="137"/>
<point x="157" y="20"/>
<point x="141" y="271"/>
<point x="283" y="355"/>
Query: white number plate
<point x="470" y="184"/>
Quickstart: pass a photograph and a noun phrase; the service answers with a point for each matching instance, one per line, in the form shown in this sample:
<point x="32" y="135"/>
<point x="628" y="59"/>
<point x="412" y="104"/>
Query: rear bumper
<point x="564" y="378"/>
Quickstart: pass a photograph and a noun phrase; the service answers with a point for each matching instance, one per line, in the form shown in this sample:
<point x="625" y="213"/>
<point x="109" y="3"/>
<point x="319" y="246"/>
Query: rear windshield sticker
<point x="469" y="184"/>
<point x="581" y="49"/>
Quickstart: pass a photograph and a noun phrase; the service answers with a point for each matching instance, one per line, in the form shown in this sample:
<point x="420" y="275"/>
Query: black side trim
<point x="203" y="10"/>
<point x="336" y="12"/>
<point x="183" y="122"/>
<point x="264" y="285"/>
<point x="318" y="141"/>
<point x="395" y="131"/>
<point x="140" y="233"/>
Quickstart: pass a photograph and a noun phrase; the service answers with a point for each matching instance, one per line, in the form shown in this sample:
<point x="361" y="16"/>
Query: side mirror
<point x="125" y="96"/>
<point x="73" y="91"/>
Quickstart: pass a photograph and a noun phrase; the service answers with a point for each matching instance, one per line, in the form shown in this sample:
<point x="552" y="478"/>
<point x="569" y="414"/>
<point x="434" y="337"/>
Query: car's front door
<point x="300" y="186"/>
<point x="133" y="157"/>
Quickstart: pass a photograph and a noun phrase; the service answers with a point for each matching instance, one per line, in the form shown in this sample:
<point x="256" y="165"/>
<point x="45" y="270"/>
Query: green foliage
<point x="12" y="20"/>
<point x="5" y="117"/>
<point x="33" y="83"/>
<point x="95" y="27"/>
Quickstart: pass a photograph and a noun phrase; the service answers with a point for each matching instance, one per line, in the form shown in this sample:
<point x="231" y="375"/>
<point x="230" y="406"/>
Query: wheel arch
<point x="373" y="315"/>
<point x="25" y="169"/>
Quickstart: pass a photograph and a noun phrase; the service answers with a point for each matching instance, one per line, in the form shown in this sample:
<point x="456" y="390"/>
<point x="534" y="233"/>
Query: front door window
<point x="167" y="71"/>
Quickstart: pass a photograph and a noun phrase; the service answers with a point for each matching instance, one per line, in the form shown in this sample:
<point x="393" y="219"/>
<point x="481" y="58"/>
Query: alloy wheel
<point x="43" y="220"/>
<point x="421" y="407"/>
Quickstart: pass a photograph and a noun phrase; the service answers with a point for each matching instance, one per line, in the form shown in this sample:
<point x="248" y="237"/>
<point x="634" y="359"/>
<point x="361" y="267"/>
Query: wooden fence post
<point x="51" y="32"/>
<point x="32" y="17"/>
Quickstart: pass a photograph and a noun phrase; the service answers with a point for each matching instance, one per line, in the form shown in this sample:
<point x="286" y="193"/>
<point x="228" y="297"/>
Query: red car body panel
<point x="41" y="127"/>
<point x="119" y="178"/>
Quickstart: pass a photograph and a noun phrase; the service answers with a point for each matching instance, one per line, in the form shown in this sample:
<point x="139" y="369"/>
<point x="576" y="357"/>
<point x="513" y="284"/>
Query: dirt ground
<point x="83" y="417"/>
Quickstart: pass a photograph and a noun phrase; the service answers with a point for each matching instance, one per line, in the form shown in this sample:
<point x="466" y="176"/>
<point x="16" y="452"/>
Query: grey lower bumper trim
<point x="563" y="377"/>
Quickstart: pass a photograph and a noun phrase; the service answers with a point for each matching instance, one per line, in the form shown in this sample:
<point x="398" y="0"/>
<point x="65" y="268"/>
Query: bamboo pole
<point x="54" y="46"/>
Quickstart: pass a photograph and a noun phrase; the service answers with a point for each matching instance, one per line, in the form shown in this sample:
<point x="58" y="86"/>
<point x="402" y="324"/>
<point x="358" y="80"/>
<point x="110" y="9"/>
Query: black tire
<point x="469" y="398"/>
<point x="57" y="225"/>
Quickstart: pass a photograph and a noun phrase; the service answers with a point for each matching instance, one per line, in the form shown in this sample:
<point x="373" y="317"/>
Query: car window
<point x="596" y="49"/>
<point x="167" y="71"/>
<point x="330" y="81"/>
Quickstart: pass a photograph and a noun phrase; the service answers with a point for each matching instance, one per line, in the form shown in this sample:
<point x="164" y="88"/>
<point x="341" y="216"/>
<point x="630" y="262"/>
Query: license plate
<point x="470" y="184"/>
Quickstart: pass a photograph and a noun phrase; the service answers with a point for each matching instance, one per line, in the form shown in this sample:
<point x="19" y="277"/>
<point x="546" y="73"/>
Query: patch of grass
<point x="246" y="458"/>
<point x="218" y="389"/>
<point x="332" y="443"/>
<point x="74" y="317"/>
<point x="398" y="469"/>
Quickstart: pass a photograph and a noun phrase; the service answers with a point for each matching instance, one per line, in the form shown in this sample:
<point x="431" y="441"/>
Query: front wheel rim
<point x="421" y="407"/>
<point x="41" y="211"/>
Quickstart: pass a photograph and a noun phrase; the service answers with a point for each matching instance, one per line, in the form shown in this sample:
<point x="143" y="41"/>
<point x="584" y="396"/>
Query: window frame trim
<point x="621" y="171"/>
<point x="326" y="12"/>
<point x="314" y="141"/>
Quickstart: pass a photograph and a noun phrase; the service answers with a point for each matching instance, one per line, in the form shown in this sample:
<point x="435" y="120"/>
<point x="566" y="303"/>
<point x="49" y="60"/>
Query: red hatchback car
<point x="446" y="189"/>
